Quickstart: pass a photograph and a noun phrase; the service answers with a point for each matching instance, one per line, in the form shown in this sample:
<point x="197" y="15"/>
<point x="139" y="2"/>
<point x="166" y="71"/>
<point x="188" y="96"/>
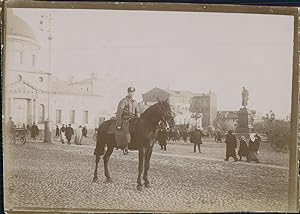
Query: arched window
<point x="41" y="113"/>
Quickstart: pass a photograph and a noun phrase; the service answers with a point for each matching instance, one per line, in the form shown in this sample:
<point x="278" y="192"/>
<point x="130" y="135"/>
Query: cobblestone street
<point x="60" y="177"/>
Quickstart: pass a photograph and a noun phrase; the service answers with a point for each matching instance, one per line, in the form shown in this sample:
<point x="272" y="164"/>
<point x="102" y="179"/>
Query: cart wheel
<point x="275" y="144"/>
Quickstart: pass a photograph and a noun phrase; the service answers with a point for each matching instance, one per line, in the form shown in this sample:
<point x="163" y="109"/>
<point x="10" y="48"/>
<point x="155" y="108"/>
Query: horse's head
<point x="166" y="113"/>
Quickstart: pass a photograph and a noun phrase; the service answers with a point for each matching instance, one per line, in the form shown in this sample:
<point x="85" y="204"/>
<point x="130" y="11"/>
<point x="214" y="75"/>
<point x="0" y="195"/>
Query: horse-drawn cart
<point x="18" y="135"/>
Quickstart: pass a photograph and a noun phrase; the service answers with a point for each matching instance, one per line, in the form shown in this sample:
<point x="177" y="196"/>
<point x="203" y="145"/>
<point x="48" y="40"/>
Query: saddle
<point x="132" y="124"/>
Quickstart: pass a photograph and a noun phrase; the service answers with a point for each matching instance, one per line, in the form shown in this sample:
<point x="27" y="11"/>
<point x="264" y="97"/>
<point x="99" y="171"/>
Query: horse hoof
<point x="139" y="188"/>
<point x="147" y="185"/>
<point x="95" y="180"/>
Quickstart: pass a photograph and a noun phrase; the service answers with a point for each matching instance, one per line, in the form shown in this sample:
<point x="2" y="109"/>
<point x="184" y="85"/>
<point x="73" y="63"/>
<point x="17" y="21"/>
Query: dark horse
<point x="142" y="139"/>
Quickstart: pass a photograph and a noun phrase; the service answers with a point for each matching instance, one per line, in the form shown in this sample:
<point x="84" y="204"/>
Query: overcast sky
<point x="186" y="51"/>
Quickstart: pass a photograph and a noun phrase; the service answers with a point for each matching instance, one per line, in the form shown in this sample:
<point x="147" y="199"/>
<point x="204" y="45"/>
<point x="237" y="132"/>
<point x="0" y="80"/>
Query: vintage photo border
<point x="293" y="196"/>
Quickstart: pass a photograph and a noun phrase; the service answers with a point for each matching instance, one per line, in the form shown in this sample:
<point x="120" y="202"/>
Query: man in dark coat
<point x="231" y="144"/>
<point x="34" y="131"/>
<point x="69" y="133"/>
<point x="84" y="131"/>
<point x="219" y="136"/>
<point x="162" y="138"/>
<point x="57" y="131"/>
<point x="243" y="150"/>
<point x="196" y="139"/>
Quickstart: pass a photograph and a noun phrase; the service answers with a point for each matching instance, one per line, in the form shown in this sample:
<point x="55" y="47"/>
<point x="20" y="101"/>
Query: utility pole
<point x="46" y="26"/>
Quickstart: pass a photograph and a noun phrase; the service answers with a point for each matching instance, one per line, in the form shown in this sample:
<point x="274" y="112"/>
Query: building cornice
<point x="23" y="39"/>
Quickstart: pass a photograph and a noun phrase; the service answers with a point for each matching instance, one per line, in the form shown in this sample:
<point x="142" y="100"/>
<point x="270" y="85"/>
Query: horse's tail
<point x="100" y="145"/>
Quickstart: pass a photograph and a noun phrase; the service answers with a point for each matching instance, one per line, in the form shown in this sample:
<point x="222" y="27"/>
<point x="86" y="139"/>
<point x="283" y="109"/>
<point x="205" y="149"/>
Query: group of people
<point x="32" y="130"/>
<point x="250" y="150"/>
<point x="65" y="134"/>
<point x="196" y="135"/>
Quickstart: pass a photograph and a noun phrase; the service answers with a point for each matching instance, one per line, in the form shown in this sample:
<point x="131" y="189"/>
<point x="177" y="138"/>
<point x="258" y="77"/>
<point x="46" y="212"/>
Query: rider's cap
<point x="131" y="89"/>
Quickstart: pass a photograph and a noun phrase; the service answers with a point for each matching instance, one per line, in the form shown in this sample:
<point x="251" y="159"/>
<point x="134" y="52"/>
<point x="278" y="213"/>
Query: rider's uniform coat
<point x="127" y="109"/>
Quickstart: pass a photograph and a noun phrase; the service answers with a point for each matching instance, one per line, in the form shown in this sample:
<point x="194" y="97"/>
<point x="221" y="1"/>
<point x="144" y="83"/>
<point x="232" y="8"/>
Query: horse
<point x="142" y="139"/>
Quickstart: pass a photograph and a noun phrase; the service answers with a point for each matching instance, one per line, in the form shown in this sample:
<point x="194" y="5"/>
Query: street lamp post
<point x="48" y="126"/>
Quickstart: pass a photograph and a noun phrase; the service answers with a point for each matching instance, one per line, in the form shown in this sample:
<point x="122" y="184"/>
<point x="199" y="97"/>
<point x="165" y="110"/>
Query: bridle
<point x="164" y="117"/>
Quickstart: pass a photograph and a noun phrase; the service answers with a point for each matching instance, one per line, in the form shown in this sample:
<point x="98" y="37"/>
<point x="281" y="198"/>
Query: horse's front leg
<point x="105" y="159"/>
<point x="147" y="164"/>
<point x="96" y="168"/>
<point x="141" y="164"/>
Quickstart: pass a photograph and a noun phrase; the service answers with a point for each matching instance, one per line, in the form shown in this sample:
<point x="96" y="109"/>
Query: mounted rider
<point x="127" y="110"/>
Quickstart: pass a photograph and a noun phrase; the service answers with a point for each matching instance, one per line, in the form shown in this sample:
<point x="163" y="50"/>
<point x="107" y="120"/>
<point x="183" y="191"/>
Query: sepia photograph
<point x="130" y="109"/>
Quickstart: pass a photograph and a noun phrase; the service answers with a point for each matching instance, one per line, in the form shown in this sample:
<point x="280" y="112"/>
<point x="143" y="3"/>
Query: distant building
<point x="181" y="102"/>
<point x="27" y="86"/>
<point x="207" y="105"/>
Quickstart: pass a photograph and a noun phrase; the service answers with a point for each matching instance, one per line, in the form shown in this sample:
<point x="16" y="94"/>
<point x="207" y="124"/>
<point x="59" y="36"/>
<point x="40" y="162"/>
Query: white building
<point x="27" y="86"/>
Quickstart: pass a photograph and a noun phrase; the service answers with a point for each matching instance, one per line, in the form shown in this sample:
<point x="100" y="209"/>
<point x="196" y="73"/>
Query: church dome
<point x="17" y="26"/>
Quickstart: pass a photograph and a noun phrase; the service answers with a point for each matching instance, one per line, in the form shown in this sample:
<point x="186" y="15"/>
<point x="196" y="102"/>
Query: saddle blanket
<point x="122" y="136"/>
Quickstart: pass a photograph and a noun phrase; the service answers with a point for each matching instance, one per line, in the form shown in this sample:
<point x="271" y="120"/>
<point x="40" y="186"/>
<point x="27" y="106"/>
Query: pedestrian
<point x="184" y="135"/>
<point x="34" y="131"/>
<point x="231" y="144"/>
<point x="63" y="138"/>
<point x="254" y="143"/>
<point x="28" y="129"/>
<point x="243" y="150"/>
<point x="196" y="139"/>
<point x="69" y="133"/>
<point x="11" y="128"/>
<point x="78" y="136"/>
<point x="84" y="131"/>
<point x="219" y="136"/>
<point x="162" y="138"/>
<point x="57" y="131"/>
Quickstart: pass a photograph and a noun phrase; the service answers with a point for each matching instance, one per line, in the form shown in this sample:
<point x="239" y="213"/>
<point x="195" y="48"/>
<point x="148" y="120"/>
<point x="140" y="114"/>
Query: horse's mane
<point x="148" y="113"/>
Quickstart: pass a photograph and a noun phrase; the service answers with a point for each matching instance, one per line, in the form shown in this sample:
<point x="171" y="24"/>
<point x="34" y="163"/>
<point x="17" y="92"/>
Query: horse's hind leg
<point x="147" y="164"/>
<point x="96" y="168"/>
<point x="106" y="158"/>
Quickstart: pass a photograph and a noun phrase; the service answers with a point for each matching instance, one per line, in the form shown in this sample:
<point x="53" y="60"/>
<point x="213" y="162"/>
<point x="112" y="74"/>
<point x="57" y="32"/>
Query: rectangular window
<point x="72" y="116"/>
<point x="18" y="57"/>
<point x="85" y="116"/>
<point x="58" y="116"/>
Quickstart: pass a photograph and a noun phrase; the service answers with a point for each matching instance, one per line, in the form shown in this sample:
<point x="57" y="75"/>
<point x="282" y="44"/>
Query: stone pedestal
<point x="47" y="132"/>
<point x="244" y="123"/>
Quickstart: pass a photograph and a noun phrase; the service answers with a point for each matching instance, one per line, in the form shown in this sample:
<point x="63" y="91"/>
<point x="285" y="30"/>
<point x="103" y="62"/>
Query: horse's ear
<point x="167" y="100"/>
<point x="158" y="100"/>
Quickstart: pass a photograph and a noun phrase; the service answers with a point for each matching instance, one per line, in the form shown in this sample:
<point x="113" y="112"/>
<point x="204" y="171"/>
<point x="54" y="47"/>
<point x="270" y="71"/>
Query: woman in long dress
<point x="63" y="138"/>
<point x="243" y="150"/>
<point x="78" y="136"/>
<point x="254" y="142"/>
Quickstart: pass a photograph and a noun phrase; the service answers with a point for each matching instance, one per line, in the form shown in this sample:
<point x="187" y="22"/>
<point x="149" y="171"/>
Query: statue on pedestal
<point x="245" y="97"/>
<point x="242" y="128"/>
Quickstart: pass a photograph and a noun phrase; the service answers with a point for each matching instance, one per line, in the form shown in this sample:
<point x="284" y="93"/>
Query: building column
<point x="11" y="108"/>
<point x="33" y="111"/>
<point x="29" y="111"/>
